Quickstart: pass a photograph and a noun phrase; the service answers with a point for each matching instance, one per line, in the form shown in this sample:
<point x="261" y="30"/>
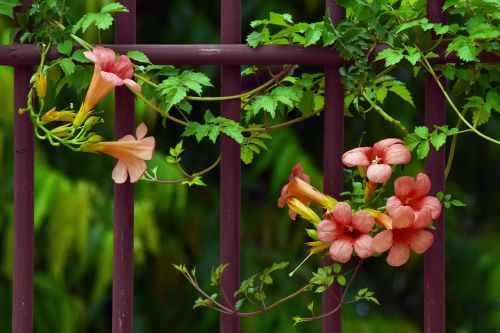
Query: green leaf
<point x="266" y="103"/>
<point x="216" y="274"/>
<point x="239" y="303"/>
<point x="65" y="47"/>
<point x="401" y="90"/>
<point x="7" y="6"/>
<point x="411" y="24"/>
<point x="413" y="55"/>
<point x="280" y="19"/>
<point x="337" y="268"/>
<point x="234" y="132"/>
<point x="423" y="150"/>
<point x="254" y="39"/>
<point x="114" y="7"/>
<point x="465" y="48"/>
<point x="103" y="21"/>
<point x="341" y="280"/>
<point x="438" y="140"/>
<point x="422" y="132"/>
<point x="67" y="66"/>
<point x="391" y="56"/>
<point x="79" y="57"/>
<point x="313" y="34"/>
<point x="138" y="56"/>
<point x="361" y="292"/>
<point x="480" y="117"/>
<point x="412" y="141"/>
<point x="457" y="203"/>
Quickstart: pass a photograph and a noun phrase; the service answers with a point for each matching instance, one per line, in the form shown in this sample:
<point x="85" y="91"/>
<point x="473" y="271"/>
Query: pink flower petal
<point x="119" y="174"/>
<point x="386" y="143"/>
<point x="392" y="204"/>
<point x="423" y="218"/>
<point x="429" y="202"/>
<point x="327" y="231"/>
<point x="399" y="254"/>
<point x="396" y="154"/>
<point x="112" y="78"/>
<point x="134" y="85"/>
<point x="136" y="168"/>
<point x="105" y="57"/>
<point x="402" y="217"/>
<point x="141" y="131"/>
<point x="363" y="221"/>
<point x="420" y="241"/>
<point x="342" y="213"/>
<point x="363" y="246"/>
<point x="379" y="173"/>
<point x="357" y="156"/>
<point x="422" y="185"/>
<point x="298" y="171"/>
<point x="123" y="68"/>
<point x="382" y="241"/>
<point x="89" y="55"/>
<point x="403" y="186"/>
<point x="341" y="251"/>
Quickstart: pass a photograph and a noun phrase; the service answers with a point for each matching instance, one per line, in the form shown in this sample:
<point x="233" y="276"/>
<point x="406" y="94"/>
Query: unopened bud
<point x="41" y="85"/>
<point x="90" y="122"/>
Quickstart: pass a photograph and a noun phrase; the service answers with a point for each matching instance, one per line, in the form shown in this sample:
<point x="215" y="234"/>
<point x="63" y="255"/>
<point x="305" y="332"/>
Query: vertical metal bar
<point x="123" y="244"/>
<point x="230" y="168"/>
<point x="434" y="264"/>
<point x="333" y="147"/>
<point x="24" y="158"/>
<point x="24" y="206"/>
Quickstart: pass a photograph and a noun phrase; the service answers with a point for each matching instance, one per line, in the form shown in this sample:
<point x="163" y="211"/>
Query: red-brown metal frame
<point x="230" y="55"/>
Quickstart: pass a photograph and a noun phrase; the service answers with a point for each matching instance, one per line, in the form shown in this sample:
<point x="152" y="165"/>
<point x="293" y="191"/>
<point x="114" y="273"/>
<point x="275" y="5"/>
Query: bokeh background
<point x="73" y="212"/>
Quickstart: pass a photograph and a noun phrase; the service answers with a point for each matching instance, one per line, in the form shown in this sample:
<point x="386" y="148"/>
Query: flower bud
<point x="90" y="122"/>
<point x="41" y="85"/>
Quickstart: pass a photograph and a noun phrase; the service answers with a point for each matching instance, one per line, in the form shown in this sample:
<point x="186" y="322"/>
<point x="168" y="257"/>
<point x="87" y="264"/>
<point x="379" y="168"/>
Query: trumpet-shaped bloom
<point x="54" y="115"/>
<point x="131" y="153"/>
<point x="412" y="192"/>
<point x="109" y="72"/>
<point x="299" y="187"/>
<point x="378" y="160"/>
<point x="407" y="232"/>
<point x="346" y="233"/>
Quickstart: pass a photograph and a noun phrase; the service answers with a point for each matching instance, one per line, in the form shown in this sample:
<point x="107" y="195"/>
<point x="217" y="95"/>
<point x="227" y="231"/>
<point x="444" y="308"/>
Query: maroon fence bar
<point x="217" y="54"/>
<point x="24" y="158"/>
<point x="24" y="204"/>
<point x="434" y="264"/>
<point x="230" y="168"/>
<point x="123" y="240"/>
<point x="333" y="146"/>
<point x="230" y="54"/>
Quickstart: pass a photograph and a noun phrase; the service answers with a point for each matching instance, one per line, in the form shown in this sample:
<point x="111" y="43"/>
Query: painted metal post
<point x="230" y="168"/>
<point x="123" y="243"/>
<point x="434" y="260"/>
<point x="24" y="207"/>
<point x="333" y="147"/>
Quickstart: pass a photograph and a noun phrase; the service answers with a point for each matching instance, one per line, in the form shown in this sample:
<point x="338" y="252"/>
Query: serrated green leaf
<point x="254" y="39"/>
<point x="7" y="7"/>
<point x="438" y="140"/>
<point x="266" y="103"/>
<point x="480" y="117"/>
<point x="422" y="132"/>
<point x="411" y="24"/>
<point x="283" y="20"/>
<point x="138" y="56"/>
<point x="313" y="34"/>
<point x="465" y="48"/>
<point x="65" y="47"/>
<point x="103" y="21"/>
<point x="79" y="57"/>
<point x="234" y="132"/>
<point x="391" y="56"/>
<point x="67" y="66"/>
<point x="401" y="90"/>
<point x="114" y="7"/>
<point x="423" y="149"/>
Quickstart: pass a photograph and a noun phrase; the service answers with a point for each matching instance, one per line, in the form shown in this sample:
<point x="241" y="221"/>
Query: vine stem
<point x="157" y="109"/>
<point x="385" y="115"/>
<point x="188" y="177"/>
<point x="451" y="154"/>
<point x="428" y="66"/>
<point x="285" y="124"/>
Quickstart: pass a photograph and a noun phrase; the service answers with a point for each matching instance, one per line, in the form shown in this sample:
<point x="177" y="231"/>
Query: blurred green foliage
<point x="73" y="213"/>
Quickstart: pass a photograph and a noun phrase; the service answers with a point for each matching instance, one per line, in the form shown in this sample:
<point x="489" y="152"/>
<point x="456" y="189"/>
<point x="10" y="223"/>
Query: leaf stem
<point x="385" y="115"/>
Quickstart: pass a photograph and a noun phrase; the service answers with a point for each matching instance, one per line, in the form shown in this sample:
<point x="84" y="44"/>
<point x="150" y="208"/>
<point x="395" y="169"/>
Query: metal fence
<point x="230" y="54"/>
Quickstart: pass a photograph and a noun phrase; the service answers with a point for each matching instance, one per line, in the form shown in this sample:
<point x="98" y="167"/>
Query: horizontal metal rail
<point x="220" y="54"/>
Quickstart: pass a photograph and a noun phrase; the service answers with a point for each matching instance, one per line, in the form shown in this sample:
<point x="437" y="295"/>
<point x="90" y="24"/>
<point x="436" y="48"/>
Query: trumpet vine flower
<point x="299" y="187"/>
<point x="109" y="72"/>
<point x="346" y="233"/>
<point x="131" y="153"/>
<point x="407" y="232"/>
<point x="412" y="192"/>
<point x="377" y="161"/>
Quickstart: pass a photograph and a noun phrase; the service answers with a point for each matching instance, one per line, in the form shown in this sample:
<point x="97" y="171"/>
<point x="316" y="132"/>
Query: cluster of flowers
<point x="401" y="225"/>
<point x="109" y="72"/>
